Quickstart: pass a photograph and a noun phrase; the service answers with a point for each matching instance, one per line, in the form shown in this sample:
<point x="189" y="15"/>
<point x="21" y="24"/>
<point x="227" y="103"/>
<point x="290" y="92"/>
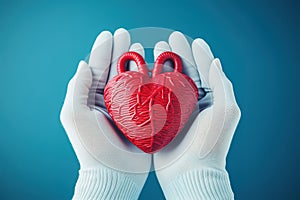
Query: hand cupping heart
<point x="150" y="111"/>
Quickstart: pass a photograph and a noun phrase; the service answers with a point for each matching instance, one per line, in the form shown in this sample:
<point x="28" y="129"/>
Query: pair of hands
<point x="98" y="144"/>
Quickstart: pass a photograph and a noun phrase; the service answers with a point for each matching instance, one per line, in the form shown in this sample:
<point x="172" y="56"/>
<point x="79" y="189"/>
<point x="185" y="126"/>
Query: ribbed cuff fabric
<point x="206" y="184"/>
<point x="94" y="184"/>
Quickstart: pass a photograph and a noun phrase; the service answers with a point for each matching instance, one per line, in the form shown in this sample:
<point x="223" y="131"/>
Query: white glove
<point x="192" y="166"/>
<point x="110" y="166"/>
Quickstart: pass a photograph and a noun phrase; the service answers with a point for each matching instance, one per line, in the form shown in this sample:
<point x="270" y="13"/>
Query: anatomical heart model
<point x="150" y="110"/>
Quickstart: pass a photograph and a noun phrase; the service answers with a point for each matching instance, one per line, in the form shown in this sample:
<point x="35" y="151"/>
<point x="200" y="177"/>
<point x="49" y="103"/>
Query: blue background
<point x="42" y="42"/>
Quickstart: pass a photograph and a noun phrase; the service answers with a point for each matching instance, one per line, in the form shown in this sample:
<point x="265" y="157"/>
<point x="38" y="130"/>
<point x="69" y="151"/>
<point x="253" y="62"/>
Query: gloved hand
<point x="192" y="166"/>
<point x="110" y="166"/>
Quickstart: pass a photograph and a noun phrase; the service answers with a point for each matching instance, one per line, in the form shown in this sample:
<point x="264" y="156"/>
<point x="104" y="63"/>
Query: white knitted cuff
<point x="200" y="184"/>
<point x="94" y="184"/>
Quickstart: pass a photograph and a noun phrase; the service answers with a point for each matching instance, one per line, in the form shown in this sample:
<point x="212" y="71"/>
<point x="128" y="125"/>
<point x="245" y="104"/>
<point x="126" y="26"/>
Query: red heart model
<point x="150" y="111"/>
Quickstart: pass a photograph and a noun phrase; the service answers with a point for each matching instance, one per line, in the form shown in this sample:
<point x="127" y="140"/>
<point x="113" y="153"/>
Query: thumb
<point x="223" y="94"/>
<point x="78" y="88"/>
<point x="225" y="114"/>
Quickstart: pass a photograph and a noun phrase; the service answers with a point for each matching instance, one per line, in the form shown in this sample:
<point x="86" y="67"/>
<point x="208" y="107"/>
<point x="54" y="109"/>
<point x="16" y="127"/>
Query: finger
<point x="203" y="58"/>
<point x="100" y="57"/>
<point x="205" y="47"/>
<point x="121" y="45"/>
<point x="136" y="47"/>
<point x="180" y="45"/>
<point x="159" y="48"/>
